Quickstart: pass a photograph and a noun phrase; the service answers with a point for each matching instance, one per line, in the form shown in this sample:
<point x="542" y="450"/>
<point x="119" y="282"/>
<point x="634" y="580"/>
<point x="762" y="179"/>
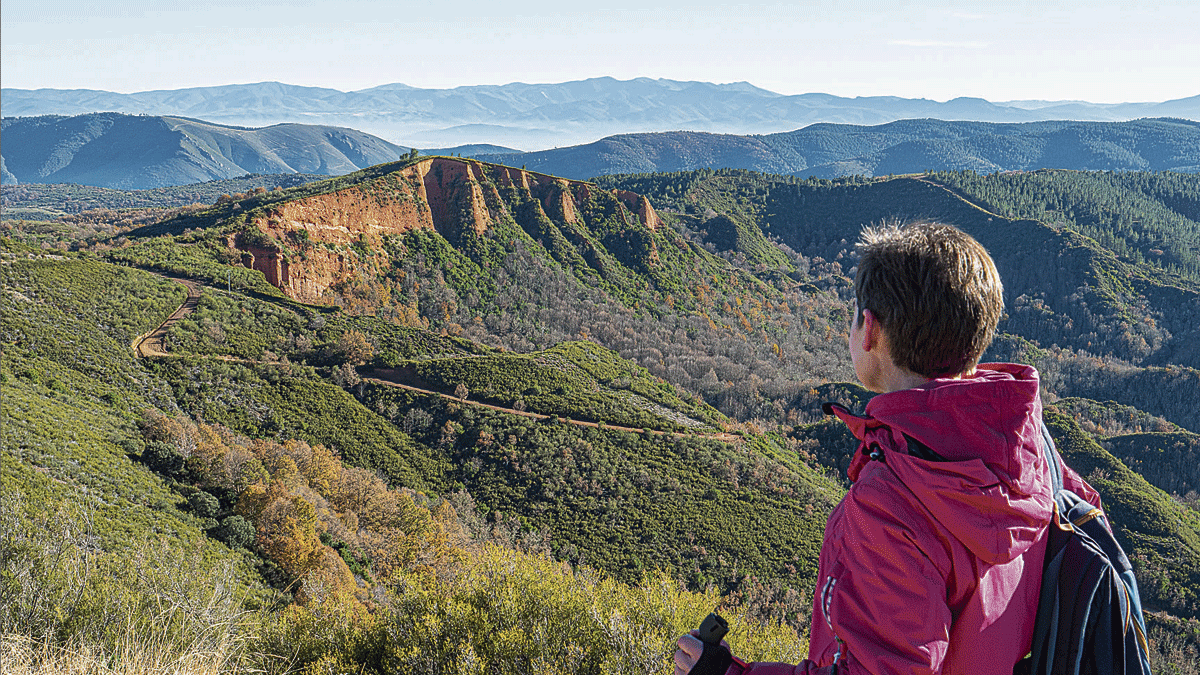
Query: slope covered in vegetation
<point x="1098" y="321"/>
<point x="109" y="149"/>
<point x="509" y="358"/>
<point x="279" y="488"/>
<point x="904" y="146"/>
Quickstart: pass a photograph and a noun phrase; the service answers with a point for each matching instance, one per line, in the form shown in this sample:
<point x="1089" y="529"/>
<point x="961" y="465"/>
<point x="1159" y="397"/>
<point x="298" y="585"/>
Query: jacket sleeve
<point x="805" y="667"/>
<point x="884" y="599"/>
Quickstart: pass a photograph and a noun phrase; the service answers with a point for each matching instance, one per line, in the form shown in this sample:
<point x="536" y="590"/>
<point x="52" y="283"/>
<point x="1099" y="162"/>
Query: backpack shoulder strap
<point x="1051" y="454"/>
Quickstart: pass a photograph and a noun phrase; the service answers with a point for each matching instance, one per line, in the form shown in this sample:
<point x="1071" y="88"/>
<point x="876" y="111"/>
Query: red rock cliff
<point x="331" y="236"/>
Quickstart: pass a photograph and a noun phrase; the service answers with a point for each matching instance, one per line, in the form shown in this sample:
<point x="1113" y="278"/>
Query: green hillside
<point x="85" y="423"/>
<point x="1097" y="322"/>
<point x="552" y="368"/>
<point x="1166" y="459"/>
<point x="1161" y="536"/>
<point x="141" y="152"/>
<point x="704" y="320"/>
<point x="422" y="440"/>
<point x="904" y="146"/>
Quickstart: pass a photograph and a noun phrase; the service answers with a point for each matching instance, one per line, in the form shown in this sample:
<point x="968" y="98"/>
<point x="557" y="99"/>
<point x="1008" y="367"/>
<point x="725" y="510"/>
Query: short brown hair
<point x="935" y="291"/>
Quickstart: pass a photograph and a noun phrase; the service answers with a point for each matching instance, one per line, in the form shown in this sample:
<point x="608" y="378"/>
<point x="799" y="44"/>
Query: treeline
<point x="1168" y="460"/>
<point x="1151" y="218"/>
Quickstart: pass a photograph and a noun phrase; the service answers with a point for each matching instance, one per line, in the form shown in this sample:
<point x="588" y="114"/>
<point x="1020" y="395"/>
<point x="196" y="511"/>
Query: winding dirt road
<point x="150" y="345"/>
<point x="719" y="436"/>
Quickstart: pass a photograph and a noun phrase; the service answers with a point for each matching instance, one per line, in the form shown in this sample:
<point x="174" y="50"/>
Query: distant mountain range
<point x="540" y="116"/>
<point x="141" y="152"/>
<point x="907" y="146"/>
<point x="138" y="152"/>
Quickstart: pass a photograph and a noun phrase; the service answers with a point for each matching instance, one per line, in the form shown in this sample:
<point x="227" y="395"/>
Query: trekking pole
<point x="715" y="658"/>
<point x="713" y="629"/>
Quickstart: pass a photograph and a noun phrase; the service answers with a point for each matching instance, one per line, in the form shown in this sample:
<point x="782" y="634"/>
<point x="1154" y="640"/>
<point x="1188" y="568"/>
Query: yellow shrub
<point x="509" y="612"/>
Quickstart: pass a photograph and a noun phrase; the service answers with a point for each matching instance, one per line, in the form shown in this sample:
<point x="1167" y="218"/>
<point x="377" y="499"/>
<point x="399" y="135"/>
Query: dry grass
<point x="22" y="655"/>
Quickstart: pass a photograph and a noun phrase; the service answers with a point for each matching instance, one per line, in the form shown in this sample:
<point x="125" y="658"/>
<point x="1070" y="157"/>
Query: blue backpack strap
<point x="1062" y="645"/>
<point x="1051" y="454"/>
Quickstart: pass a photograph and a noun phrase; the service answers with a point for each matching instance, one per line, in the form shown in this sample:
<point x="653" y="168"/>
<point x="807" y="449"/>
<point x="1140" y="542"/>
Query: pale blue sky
<point x="1100" y="51"/>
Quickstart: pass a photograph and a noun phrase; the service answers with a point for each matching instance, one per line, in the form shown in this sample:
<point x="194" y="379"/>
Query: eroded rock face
<point x="332" y="236"/>
<point x="641" y="206"/>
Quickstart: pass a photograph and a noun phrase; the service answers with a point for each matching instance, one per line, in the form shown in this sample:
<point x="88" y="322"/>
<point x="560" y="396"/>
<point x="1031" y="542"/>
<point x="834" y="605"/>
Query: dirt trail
<point x="959" y="195"/>
<point x="151" y="345"/>
<point x="719" y="436"/>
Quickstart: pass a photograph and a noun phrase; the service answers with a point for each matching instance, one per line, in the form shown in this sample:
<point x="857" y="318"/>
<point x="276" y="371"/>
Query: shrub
<point x="511" y="612"/>
<point x="505" y="612"/>
<point x="163" y="457"/>
<point x="236" y="532"/>
<point x="204" y="505"/>
<point x="164" y="598"/>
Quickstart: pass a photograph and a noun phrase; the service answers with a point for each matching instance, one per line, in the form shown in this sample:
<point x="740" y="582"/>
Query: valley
<point x="437" y="396"/>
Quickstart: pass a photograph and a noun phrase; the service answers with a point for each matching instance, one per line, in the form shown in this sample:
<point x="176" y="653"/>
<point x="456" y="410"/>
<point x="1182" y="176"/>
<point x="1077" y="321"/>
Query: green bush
<point x="163" y="458"/>
<point x="506" y="613"/>
<point x="235" y="531"/>
<point x="58" y="587"/>
<point x="204" y="505"/>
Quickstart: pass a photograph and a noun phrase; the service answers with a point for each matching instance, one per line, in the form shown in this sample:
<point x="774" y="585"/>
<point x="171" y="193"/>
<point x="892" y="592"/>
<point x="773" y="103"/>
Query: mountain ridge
<point x="125" y="151"/>
<point x="135" y="151"/>
<point x="569" y="113"/>
<point x="904" y="146"/>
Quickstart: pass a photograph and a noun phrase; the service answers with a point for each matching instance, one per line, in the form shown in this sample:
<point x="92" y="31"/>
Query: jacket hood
<point x="992" y="490"/>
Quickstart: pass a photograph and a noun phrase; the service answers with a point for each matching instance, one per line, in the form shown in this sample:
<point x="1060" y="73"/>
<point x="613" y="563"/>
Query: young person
<point x="932" y="562"/>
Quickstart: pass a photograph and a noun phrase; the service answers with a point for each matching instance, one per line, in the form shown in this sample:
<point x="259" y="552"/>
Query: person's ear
<point x="870" y="330"/>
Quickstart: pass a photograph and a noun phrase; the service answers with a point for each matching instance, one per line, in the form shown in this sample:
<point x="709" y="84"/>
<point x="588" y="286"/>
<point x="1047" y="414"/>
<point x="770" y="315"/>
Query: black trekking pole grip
<point x="716" y="658"/>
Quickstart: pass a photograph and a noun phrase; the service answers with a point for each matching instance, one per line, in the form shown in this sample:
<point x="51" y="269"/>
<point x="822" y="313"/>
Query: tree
<point x="346" y="376"/>
<point x="354" y="347"/>
<point x="204" y="505"/>
<point x="287" y="534"/>
<point x="236" y="532"/>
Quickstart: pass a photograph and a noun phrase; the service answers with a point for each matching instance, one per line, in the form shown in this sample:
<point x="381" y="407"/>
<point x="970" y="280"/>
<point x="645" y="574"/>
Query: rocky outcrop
<point x="313" y="243"/>
<point x="641" y="206"/>
<point x="305" y="278"/>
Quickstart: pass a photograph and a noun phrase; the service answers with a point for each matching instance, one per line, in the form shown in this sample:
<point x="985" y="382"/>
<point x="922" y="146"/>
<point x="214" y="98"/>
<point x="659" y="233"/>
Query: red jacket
<point x="935" y="566"/>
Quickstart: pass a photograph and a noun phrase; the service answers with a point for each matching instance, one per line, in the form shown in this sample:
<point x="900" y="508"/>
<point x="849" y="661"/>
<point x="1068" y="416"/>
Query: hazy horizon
<point x="1013" y="103"/>
<point x="1101" y="52"/>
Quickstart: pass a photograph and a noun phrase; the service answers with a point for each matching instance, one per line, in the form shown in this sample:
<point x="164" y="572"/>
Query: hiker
<point x="932" y="562"/>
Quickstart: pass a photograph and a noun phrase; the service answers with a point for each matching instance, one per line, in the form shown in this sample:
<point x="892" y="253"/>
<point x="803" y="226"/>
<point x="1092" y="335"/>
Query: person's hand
<point x="690" y="648"/>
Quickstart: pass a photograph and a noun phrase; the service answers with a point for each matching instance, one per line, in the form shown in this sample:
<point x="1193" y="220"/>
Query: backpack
<point x="1089" y="617"/>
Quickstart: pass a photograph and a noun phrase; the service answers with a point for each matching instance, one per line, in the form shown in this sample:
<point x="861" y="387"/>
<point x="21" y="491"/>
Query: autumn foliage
<point x="313" y="516"/>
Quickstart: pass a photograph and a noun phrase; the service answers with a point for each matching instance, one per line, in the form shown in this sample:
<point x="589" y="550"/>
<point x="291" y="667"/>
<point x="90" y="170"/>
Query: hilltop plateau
<point x="439" y="396"/>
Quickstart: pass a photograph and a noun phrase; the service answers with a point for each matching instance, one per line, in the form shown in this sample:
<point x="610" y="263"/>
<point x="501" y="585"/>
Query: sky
<point x="1100" y="51"/>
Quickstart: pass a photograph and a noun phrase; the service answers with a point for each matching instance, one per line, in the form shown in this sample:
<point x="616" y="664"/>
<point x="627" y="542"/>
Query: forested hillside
<point x="286" y="478"/>
<point x="452" y="395"/>
<point x="905" y="146"/>
<point x="139" y="151"/>
<point x="1099" y="321"/>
